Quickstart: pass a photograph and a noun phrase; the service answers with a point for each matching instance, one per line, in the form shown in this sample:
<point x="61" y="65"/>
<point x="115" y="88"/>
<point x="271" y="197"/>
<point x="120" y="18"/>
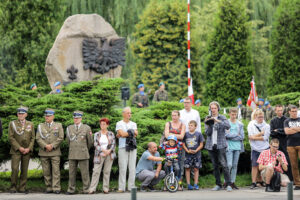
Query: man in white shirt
<point x="126" y="158"/>
<point x="188" y="114"/>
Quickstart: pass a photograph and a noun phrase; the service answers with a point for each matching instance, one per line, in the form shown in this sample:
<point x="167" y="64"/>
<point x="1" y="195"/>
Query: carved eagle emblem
<point x="102" y="59"/>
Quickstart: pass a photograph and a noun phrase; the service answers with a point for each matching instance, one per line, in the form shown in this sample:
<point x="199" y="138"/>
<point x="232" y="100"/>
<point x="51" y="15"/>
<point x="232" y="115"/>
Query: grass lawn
<point x="35" y="181"/>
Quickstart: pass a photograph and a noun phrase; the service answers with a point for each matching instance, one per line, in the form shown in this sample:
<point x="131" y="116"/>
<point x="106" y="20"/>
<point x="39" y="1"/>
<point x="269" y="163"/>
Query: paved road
<point x="203" y="194"/>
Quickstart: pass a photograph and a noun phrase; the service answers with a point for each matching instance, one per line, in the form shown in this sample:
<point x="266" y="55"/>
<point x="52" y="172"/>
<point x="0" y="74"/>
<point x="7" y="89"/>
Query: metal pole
<point x="290" y="191"/>
<point x="124" y="103"/>
<point x="133" y="193"/>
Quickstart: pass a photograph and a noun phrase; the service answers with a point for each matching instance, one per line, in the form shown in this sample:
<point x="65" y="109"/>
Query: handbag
<point x="276" y="182"/>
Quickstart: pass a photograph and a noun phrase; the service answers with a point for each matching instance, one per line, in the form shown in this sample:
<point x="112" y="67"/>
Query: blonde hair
<point x="256" y="112"/>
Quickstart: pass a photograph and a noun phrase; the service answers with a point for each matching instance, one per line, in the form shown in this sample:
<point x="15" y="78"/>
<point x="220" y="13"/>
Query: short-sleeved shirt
<point x="266" y="158"/>
<point x="121" y="125"/>
<point x="192" y="141"/>
<point x="145" y="164"/>
<point x="294" y="139"/>
<point x="234" y="144"/>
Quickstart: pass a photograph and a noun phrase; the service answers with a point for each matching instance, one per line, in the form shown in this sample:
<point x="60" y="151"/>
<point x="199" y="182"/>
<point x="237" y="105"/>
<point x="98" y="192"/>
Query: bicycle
<point x="170" y="180"/>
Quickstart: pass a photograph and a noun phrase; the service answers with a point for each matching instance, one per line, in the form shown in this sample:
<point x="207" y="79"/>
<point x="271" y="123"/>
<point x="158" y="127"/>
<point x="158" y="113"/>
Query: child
<point x="172" y="148"/>
<point x="192" y="144"/>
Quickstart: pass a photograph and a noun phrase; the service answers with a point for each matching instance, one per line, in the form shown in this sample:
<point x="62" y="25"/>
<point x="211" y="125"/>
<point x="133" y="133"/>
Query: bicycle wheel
<point x="171" y="183"/>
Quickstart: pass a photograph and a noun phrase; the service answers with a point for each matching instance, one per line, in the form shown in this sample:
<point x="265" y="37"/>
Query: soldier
<point x="242" y="110"/>
<point x="57" y="89"/>
<point x="161" y="94"/>
<point x="33" y="86"/>
<point x="261" y="103"/>
<point x="21" y="137"/>
<point x="198" y="102"/>
<point x="270" y="113"/>
<point x="49" y="136"/>
<point x="79" y="138"/>
<point x="140" y="99"/>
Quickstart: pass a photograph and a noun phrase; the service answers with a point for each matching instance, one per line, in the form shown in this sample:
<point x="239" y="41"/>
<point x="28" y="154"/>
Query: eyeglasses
<point x="275" y="147"/>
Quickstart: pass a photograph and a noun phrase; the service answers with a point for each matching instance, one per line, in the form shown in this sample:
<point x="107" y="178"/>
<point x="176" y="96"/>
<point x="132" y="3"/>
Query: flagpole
<point x="189" y="46"/>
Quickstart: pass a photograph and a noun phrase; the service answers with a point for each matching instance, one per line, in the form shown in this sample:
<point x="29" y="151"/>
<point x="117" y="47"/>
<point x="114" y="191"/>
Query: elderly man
<point x="140" y="99"/>
<point x="292" y="129"/>
<point x="145" y="168"/>
<point x="21" y="137"/>
<point x="215" y="126"/>
<point x="79" y="138"/>
<point x="269" y="111"/>
<point x="126" y="132"/>
<point x="49" y="136"/>
<point x="161" y="94"/>
<point x="270" y="161"/>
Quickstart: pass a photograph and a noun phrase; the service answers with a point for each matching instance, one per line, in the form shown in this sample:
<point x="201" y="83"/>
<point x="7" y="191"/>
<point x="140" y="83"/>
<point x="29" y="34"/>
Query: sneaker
<point x="151" y="188"/>
<point x="196" y="187"/>
<point x="269" y="189"/>
<point x="297" y="188"/>
<point x="216" y="188"/>
<point x="234" y="186"/>
<point x="253" y="186"/>
<point x="190" y="187"/>
<point x="228" y="188"/>
<point x="143" y="189"/>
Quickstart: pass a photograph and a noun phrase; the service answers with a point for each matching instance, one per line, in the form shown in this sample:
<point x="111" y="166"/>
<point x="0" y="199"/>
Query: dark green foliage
<point x="285" y="49"/>
<point x="285" y="99"/>
<point x="94" y="98"/>
<point x="159" y="47"/>
<point x="27" y="30"/>
<point x="228" y="67"/>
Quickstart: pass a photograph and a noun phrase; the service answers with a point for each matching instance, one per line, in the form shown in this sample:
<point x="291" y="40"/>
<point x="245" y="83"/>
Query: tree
<point x="159" y="48"/>
<point x="285" y="48"/>
<point x="228" y="65"/>
<point x="27" y="30"/>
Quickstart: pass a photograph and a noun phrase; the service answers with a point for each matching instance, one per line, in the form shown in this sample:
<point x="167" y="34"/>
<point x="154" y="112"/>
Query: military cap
<point x="239" y="99"/>
<point x="197" y="101"/>
<point x="181" y="101"/>
<point x="56" y="84"/>
<point x="267" y="103"/>
<point x="140" y="85"/>
<point x="49" y="112"/>
<point x="160" y="84"/>
<point x="33" y="85"/>
<point x="77" y="114"/>
<point x="261" y="99"/>
<point x="22" y="109"/>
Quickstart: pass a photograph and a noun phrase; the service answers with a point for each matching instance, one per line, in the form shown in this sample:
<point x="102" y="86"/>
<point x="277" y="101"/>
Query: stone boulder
<point x="65" y="59"/>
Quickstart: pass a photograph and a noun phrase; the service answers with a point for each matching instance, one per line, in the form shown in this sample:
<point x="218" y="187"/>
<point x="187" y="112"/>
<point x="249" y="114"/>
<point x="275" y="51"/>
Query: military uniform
<point x="248" y="113"/>
<point x="50" y="134"/>
<point x="138" y="98"/>
<point x="242" y="112"/>
<point x="80" y="141"/>
<point x="270" y="114"/>
<point x="21" y="134"/>
<point x="160" y="95"/>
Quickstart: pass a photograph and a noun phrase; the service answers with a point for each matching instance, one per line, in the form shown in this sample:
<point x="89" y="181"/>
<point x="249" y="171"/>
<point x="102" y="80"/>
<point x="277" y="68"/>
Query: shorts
<point x="254" y="157"/>
<point x="193" y="162"/>
<point x="284" y="177"/>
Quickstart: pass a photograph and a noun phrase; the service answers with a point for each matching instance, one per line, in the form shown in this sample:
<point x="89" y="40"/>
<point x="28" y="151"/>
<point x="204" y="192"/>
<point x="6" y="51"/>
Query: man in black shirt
<point x="292" y="129"/>
<point x="277" y="131"/>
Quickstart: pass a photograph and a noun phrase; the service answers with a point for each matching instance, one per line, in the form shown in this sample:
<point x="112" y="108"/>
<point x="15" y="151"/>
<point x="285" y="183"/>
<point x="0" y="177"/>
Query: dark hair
<point x="292" y="107"/>
<point x="104" y="120"/>
<point x="176" y="111"/>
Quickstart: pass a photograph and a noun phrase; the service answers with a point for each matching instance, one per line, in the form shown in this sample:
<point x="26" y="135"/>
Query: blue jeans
<point x="232" y="162"/>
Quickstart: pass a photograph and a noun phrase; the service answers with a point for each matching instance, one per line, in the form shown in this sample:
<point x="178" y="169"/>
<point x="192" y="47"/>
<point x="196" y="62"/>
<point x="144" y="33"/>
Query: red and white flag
<point x="190" y="91"/>
<point x="252" y="99"/>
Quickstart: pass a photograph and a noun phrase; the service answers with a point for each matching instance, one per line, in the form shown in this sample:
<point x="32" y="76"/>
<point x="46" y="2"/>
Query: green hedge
<point x="285" y="99"/>
<point x="98" y="99"/>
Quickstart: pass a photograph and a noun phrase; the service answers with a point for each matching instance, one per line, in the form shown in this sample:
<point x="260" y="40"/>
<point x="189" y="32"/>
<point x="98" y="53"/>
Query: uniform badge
<point x="55" y="134"/>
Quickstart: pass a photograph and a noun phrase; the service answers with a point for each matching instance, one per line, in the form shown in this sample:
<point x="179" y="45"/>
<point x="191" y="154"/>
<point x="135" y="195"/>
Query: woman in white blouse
<point x="104" y="142"/>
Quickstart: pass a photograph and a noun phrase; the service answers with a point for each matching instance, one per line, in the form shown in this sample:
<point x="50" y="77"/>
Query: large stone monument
<point x="85" y="46"/>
